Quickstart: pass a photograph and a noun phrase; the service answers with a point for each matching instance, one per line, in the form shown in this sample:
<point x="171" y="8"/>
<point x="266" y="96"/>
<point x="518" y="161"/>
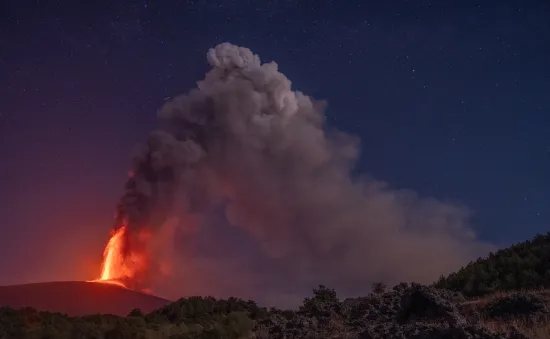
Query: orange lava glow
<point x="114" y="268"/>
<point x="112" y="282"/>
<point x="113" y="260"/>
<point x="121" y="266"/>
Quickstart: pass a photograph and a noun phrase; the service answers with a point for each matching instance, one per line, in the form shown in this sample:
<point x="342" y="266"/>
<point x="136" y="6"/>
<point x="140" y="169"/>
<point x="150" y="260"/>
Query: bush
<point x="516" y="305"/>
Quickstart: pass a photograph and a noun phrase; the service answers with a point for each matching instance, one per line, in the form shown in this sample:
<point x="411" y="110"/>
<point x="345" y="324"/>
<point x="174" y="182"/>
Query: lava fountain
<point x="120" y="267"/>
<point x="112" y="267"/>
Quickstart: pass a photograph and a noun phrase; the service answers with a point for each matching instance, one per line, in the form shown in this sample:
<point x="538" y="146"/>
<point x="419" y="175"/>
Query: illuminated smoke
<point x="244" y="142"/>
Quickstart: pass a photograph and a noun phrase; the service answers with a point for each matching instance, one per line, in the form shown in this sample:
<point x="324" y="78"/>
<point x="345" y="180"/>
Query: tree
<point x="521" y="266"/>
<point x="136" y="312"/>
<point x="323" y="303"/>
<point x="379" y="287"/>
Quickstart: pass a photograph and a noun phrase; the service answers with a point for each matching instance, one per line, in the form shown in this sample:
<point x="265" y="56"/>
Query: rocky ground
<point x="407" y="311"/>
<point x="412" y="312"/>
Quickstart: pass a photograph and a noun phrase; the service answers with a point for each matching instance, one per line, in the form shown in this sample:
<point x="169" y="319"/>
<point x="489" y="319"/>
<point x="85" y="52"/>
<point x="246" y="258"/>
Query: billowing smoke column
<point x="244" y="140"/>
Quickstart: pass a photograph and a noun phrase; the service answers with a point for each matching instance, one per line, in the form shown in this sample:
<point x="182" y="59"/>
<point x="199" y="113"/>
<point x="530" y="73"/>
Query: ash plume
<point x="243" y="156"/>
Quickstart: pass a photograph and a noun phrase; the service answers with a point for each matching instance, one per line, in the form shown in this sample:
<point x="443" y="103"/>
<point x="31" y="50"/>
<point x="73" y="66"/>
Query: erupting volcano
<point x="121" y="265"/>
<point x="113" y="264"/>
<point x="113" y="268"/>
<point x="244" y="156"/>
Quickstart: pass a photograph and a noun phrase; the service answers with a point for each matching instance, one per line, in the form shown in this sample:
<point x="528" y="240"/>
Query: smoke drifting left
<point x="242" y="190"/>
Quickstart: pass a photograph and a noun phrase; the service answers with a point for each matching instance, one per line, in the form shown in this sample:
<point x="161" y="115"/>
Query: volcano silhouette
<point x="77" y="298"/>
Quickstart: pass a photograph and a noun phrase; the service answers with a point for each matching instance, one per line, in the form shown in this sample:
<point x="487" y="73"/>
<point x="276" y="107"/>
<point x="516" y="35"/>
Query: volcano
<point x="78" y="298"/>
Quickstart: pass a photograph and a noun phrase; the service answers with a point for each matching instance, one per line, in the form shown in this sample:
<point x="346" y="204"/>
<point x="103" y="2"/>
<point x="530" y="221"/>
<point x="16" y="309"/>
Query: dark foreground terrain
<point x="406" y="311"/>
<point x="78" y="298"/>
<point x="506" y="298"/>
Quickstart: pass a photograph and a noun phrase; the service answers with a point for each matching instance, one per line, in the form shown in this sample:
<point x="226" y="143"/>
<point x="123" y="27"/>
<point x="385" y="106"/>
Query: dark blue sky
<point x="450" y="99"/>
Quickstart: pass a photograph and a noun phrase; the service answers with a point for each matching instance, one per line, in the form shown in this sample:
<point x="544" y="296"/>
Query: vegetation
<point x="492" y="284"/>
<point x="406" y="311"/>
<point x="523" y="266"/>
<point x="194" y="317"/>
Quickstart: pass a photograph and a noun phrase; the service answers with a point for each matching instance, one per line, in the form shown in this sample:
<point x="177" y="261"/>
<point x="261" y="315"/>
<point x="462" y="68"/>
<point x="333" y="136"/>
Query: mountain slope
<point x="522" y="266"/>
<point x="77" y="298"/>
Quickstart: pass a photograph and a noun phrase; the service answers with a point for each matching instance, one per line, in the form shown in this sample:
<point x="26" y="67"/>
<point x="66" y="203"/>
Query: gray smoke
<point x="244" y="158"/>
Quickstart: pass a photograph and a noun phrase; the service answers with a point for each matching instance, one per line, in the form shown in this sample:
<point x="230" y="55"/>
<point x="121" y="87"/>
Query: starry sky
<point x="450" y="99"/>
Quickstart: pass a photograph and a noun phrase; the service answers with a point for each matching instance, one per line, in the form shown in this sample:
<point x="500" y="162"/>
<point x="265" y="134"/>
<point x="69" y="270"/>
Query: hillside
<point x="522" y="266"/>
<point x="77" y="298"/>
<point x="499" y="307"/>
<point x="405" y="312"/>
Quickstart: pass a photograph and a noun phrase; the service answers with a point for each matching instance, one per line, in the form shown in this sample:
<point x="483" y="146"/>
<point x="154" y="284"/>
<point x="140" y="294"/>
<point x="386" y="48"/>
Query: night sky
<point x="450" y="99"/>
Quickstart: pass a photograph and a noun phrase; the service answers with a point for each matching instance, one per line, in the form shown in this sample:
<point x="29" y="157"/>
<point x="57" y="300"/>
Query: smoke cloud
<point x="266" y="204"/>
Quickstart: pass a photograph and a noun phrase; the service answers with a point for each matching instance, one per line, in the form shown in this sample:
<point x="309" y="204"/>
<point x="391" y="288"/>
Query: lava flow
<point x="114" y="269"/>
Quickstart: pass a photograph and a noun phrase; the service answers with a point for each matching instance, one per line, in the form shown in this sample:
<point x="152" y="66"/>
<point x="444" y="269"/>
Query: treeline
<point x="187" y="318"/>
<point x="522" y="266"/>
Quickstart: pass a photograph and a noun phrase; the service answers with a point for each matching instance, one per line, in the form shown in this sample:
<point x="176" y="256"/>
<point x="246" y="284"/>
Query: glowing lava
<point x="114" y="268"/>
<point x="113" y="260"/>
<point x="125" y="259"/>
